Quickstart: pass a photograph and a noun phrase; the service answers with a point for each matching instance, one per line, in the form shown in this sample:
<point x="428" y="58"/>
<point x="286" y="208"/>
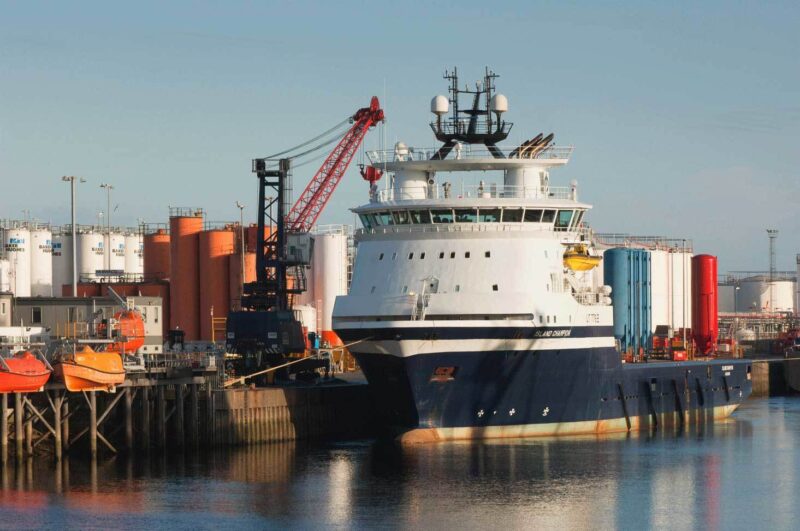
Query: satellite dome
<point x="498" y="104"/>
<point x="439" y="105"/>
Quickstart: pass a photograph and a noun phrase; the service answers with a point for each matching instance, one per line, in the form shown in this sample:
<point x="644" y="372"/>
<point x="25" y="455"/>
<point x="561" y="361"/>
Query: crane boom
<point x="304" y="213"/>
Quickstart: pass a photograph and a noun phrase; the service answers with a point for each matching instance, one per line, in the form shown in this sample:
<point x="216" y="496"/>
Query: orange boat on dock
<point x="23" y="372"/>
<point x="89" y="370"/>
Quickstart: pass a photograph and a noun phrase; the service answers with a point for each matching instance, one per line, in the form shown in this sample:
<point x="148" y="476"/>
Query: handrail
<point x="476" y="191"/>
<point x="461" y="152"/>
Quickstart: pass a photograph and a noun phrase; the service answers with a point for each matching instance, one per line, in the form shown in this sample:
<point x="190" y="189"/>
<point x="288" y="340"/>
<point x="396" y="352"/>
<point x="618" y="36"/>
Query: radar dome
<point x="498" y="103"/>
<point x="439" y="105"/>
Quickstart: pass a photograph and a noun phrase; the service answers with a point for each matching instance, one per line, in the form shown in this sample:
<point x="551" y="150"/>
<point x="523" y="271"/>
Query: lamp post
<point x="241" y="241"/>
<point x="107" y="246"/>
<point x="71" y="179"/>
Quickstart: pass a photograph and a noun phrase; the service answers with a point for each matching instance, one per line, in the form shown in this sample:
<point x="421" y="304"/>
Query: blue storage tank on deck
<point x="627" y="271"/>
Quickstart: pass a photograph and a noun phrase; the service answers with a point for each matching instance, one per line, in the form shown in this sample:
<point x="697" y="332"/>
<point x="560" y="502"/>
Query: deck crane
<point x="266" y="330"/>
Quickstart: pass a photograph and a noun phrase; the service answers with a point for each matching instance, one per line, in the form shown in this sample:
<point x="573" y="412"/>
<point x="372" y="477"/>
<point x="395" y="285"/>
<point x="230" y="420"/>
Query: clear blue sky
<point x="685" y="115"/>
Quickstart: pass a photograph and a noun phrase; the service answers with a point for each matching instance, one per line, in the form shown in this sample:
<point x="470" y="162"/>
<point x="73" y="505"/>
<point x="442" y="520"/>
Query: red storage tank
<point x="215" y="248"/>
<point x="156" y="255"/>
<point x="705" y="324"/>
<point x="184" y="274"/>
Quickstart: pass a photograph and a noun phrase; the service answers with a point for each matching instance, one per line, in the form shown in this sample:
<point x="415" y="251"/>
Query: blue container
<point x="627" y="271"/>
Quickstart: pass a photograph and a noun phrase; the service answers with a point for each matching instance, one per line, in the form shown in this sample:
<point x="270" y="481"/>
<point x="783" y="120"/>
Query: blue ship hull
<point x="453" y="395"/>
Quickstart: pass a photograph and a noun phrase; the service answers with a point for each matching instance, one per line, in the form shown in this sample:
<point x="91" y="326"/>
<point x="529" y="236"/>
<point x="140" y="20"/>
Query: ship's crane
<point x="266" y="330"/>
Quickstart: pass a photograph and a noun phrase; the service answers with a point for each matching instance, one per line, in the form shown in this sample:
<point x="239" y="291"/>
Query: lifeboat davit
<point x="578" y="259"/>
<point x="23" y="373"/>
<point x="90" y="370"/>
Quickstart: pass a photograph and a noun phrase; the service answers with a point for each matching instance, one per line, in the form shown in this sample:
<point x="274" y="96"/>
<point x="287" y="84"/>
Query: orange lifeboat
<point x="23" y="373"/>
<point x="89" y="370"/>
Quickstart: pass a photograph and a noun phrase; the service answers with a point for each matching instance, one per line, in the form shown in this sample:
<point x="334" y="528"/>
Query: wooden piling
<point x="145" y="418"/>
<point x="65" y="423"/>
<point x="210" y="431"/>
<point x="57" y="444"/>
<point x="93" y="424"/>
<point x="29" y="436"/>
<point x="128" y="418"/>
<point x="18" y="436"/>
<point x="179" y="411"/>
<point x="161" y="417"/>
<point x="193" y="414"/>
<point x="4" y="429"/>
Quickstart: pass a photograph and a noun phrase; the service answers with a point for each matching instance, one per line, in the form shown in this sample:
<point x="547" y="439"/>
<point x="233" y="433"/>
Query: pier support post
<point x="29" y="436"/>
<point x="4" y="428"/>
<point x="93" y="424"/>
<point x="210" y="431"/>
<point x="57" y="444"/>
<point x="18" y="436"/>
<point x="193" y="413"/>
<point x="161" y="417"/>
<point x="146" y="418"/>
<point x="128" y="418"/>
<point x="179" y="418"/>
<point x="65" y="423"/>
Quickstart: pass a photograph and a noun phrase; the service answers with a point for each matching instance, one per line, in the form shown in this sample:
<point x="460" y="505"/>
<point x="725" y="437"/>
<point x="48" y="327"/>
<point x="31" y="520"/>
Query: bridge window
<point x="420" y="216"/>
<point x="576" y="221"/>
<point x="466" y="215"/>
<point x="489" y="215"/>
<point x="512" y="215"/>
<point x="365" y="221"/>
<point x="401" y="217"/>
<point x="385" y="218"/>
<point x="548" y="216"/>
<point x="442" y="216"/>
<point x="564" y="219"/>
<point x="533" y="216"/>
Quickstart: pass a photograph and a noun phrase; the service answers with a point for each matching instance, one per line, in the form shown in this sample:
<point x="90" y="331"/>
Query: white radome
<point x="440" y="105"/>
<point x="498" y="104"/>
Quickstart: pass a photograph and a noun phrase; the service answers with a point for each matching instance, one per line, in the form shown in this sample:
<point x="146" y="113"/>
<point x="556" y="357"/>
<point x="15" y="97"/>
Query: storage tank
<point x="680" y="279"/>
<point x="5" y="276"/>
<point x="134" y="252"/>
<point x="42" y="263"/>
<point x="184" y="274"/>
<point x="215" y="248"/>
<point x="62" y="262"/>
<point x="156" y="255"/>
<point x="726" y="298"/>
<point x="235" y="269"/>
<point x="251" y="237"/>
<point x="115" y="243"/>
<point x="756" y="295"/>
<point x="660" y="288"/>
<point x="91" y="254"/>
<point x="705" y="314"/>
<point x="329" y="278"/>
<point x="627" y="271"/>
<point x="17" y="246"/>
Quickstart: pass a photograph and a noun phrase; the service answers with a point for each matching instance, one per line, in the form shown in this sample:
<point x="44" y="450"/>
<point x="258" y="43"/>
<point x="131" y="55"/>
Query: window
<point x="422" y="256"/>
<point x="512" y="215"/>
<point x="533" y="216"/>
<point x="372" y="290"/>
<point x="385" y="218"/>
<point x="466" y="255"/>
<point x="420" y="216"/>
<point x="541" y="319"/>
<point x="405" y="289"/>
<point x="394" y="256"/>
<point x="466" y="215"/>
<point x="380" y="257"/>
<point x="410" y="256"/>
<point x="458" y="288"/>
<point x="401" y="217"/>
<point x="155" y="314"/>
<point x="3" y="308"/>
<point x="36" y="315"/>
<point x="453" y="255"/>
<point x="487" y="254"/>
<point x="489" y="215"/>
<point x="442" y="216"/>
<point x="548" y="319"/>
<point x="494" y="287"/>
<point x="441" y="255"/>
<point x="71" y="314"/>
<point x="563" y="219"/>
<point x="549" y="216"/>
<point x="576" y="221"/>
<point x="365" y="221"/>
<point x="554" y="319"/>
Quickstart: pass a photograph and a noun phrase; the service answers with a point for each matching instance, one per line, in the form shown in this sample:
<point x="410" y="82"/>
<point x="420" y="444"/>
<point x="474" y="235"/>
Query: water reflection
<point x="725" y="475"/>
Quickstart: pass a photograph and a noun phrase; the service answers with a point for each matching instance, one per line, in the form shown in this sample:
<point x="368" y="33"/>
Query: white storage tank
<point x="17" y="247"/>
<point x="5" y="276"/>
<point x="726" y="298"/>
<point x="680" y="281"/>
<point x="329" y="276"/>
<point x="41" y="262"/>
<point x="755" y="295"/>
<point x="661" y="295"/>
<point x="115" y="243"/>
<point x="91" y="254"/>
<point x="62" y="262"/>
<point x="134" y="254"/>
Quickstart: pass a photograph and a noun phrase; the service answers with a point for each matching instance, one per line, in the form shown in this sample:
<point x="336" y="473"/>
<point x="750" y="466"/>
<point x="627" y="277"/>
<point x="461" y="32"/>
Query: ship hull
<point x="473" y="395"/>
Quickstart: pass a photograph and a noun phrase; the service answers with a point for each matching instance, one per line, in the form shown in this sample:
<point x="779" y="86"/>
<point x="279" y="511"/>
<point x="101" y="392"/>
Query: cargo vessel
<point x="470" y="309"/>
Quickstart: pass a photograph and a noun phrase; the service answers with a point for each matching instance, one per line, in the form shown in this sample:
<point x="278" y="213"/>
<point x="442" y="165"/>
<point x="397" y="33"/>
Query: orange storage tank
<point x="235" y="268"/>
<point x="251" y="237"/>
<point x="215" y="248"/>
<point x="184" y="275"/>
<point x="156" y="255"/>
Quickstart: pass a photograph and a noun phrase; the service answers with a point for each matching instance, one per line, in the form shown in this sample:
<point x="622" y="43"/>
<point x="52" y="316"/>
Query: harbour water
<point x="742" y="473"/>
